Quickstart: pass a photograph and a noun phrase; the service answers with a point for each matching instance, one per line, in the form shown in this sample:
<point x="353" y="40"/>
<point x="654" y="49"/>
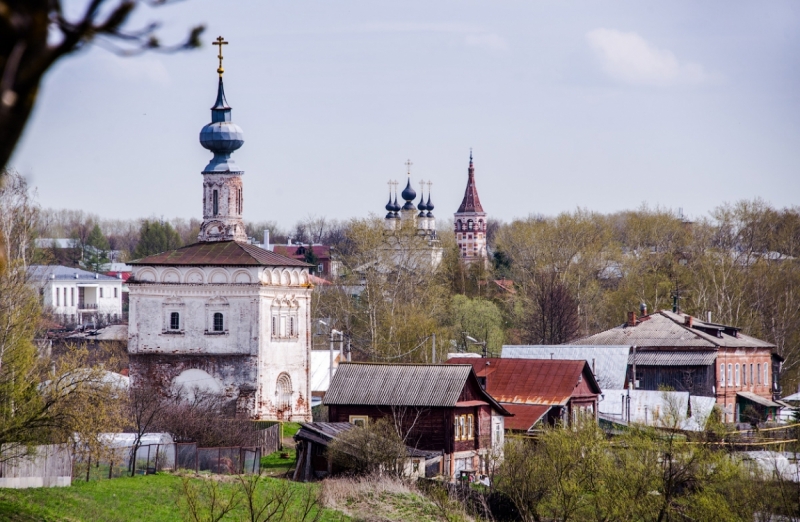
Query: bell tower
<point x="223" y="199"/>
<point x="470" y="222"/>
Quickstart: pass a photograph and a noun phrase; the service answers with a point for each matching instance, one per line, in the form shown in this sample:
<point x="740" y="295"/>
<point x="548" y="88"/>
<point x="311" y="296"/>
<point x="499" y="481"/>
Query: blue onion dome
<point x="421" y="206"/>
<point x="389" y="205"/>
<point x="409" y="194"/>
<point x="221" y="136"/>
<point x="429" y="205"/>
<point x="395" y="206"/>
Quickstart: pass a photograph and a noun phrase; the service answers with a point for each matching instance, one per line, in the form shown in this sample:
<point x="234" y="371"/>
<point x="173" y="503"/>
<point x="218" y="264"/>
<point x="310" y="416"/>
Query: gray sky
<point x="603" y="105"/>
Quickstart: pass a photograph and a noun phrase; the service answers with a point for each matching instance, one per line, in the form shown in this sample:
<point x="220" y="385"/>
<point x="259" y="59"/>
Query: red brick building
<point x="536" y="390"/>
<point x="324" y="266"/>
<point x="702" y="357"/>
<point x="440" y="407"/>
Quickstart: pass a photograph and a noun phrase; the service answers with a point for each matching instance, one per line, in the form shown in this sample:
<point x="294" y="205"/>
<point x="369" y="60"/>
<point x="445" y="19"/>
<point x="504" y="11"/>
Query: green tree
<point x="311" y="258"/>
<point x="156" y="237"/>
<point x="480" y="319"/>
<point x="96" y="249"/>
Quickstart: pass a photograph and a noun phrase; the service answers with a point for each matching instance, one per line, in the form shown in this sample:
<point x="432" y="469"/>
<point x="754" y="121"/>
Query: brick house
<point x="537" y="390"/>
<point x="440" y="407"/>
<point x="325" y="267"/>
<point x="685" y="353"/>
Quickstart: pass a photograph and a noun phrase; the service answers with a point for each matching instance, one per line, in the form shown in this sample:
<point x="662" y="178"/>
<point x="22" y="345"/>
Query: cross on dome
<point x="220" y="42"/>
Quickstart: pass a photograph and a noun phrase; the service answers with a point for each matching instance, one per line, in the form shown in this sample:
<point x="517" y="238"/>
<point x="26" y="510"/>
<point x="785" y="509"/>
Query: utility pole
<point x="433" y="348"/>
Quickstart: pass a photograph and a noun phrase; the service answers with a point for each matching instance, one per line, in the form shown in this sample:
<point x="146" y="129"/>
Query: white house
<point x="76" y="296"/>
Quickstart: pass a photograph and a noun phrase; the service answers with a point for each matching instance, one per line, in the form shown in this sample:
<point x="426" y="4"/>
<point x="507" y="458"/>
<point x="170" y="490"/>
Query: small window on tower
<point x="218" y="324"/>
<point x="215" y="203"/>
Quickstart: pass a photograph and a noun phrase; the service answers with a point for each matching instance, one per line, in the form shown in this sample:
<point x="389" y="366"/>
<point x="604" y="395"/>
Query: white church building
<point x="222" y="314"/>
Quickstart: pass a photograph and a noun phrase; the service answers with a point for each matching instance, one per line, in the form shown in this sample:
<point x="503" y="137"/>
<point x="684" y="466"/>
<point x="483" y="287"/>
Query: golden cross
<point x="220" y="42"/>
<point x="408" y="166"/>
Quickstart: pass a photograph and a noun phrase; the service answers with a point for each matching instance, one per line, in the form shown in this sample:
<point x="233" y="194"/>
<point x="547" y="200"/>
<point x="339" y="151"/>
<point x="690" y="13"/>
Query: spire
<point x="471" y="202"/>
<point x="429" y="205"/>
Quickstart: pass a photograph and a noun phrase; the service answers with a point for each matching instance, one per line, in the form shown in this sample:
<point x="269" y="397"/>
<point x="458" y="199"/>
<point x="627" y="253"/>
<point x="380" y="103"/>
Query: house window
<point x="58" y="297"/>
<point x="766" y="375"/>
<point x="218" y="324"/>
<point x="737" y="374"/>
<point x="744" y="375"/>
<point x="498" y="432"/>
<point x="174" y="321"/>
<point x="101" y="294"/>
<point x="115" y="293"/>
<point x="215" y="203"/>
<point x="758" y="373"/>
<point x="751" y="374"/>
<point x="721" y="375"/>
<point x="464" y="427"/>
<point x="730" y="375"/>
<point x="415" y="465"/>
<point x="71" y="296"/>
<point x="320" y="268"/>
<point x="470" y="427"/>
<point x="359" y="420"/>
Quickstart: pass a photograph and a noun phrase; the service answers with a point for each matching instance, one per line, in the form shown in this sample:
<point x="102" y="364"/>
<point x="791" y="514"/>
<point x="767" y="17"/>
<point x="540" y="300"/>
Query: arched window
<point x="730" y="374"/>
<point x="218" y="324"/>
<point x="722" y="375"/>
<point x="283" y="390"/>
<point x="737" y="374"/>
<point x="174" y="321"/>
<point x="215" y="202"/>
<point x="469" y="224"/>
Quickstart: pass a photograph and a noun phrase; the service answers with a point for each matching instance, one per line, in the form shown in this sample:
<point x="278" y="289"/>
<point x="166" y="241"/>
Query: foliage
<point x="480" y="319"/>
<point x="376" y="447"/>
<point x="156" y="237"/>
<point x="19" y="215"/>
<point x="96" y="251"/>
<point x="578" y="474"/>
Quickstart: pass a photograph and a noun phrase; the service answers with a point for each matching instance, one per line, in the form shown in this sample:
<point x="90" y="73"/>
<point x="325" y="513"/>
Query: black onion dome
<point x="395" y="206"/>
<point x="429" y="205"/>
<point x="409" y="194"/>
<point x="421" y="206"/>
<point x="389" y="205"/>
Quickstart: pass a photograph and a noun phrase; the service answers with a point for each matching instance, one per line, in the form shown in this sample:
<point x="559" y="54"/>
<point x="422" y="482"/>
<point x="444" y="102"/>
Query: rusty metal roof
<point x="665" y="329"/>
<point x="424" y="385"/>
<point x="471" y="201"/>
<point x="608" y="362"/>
<point x="525" y="415"/>
<point x="670" y="358"/>
<point x="229" y="253"/>
<point x="531" y="381"/>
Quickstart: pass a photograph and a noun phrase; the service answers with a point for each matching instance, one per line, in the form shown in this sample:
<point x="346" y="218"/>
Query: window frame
<point x="355" y="419"/>
<point x="214" y="317"/>
<point x="470" y="426"/>
<point x="722" y="375"/>
<point x="174" y="321"/>
<point x="736" y="374"/>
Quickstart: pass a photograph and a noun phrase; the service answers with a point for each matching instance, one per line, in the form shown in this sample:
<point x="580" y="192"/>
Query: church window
<point x="274" y="326"/>
<point x="292" y="331"/>
<point x="215" y="202"/>
<point x="469" y="224"/>
<point x="218" y="324"/>
<point x="283" y="390"/>
<point x="174" y="321"/>
<point x="283" y="327"/>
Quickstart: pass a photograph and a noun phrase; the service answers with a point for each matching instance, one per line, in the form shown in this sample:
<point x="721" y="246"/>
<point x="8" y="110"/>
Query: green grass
<point x="290" y="428"/>
<point x="144" y="498"/>
<point x="274" y="465"/>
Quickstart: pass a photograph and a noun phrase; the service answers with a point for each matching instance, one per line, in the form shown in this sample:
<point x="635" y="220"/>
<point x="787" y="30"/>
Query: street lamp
<point x="334" y="331"/>
<point x="472" y="340"/>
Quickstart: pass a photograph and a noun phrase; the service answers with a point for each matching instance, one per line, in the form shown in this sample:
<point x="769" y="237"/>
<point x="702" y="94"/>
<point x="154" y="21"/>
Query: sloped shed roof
<point x="424" y="385"/>
<point x="525" y="415"/>
<point x="671" y="358"/>
<point x="218" y="253"/>
<point x="609" y="363"/>
<point x="531" y="381"/>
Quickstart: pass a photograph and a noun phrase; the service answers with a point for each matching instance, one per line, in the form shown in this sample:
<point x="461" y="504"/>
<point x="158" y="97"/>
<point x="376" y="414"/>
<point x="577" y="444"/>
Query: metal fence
<point x="151" y="458"/>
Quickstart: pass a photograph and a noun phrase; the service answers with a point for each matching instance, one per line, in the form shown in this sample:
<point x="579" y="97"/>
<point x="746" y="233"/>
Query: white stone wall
<point x="252" y="300"/>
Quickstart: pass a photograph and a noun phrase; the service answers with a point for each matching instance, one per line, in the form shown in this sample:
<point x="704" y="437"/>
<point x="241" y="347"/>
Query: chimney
<point x="688" y="321"/>
<point x="708" y="314"/>
<point x="266" y="240"/>
<point x="643" y="309"/>
<point x="631" y="319"/>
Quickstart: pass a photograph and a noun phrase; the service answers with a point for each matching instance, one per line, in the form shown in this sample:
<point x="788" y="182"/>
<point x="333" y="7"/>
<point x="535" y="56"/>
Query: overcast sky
<point x="602" y="105"/>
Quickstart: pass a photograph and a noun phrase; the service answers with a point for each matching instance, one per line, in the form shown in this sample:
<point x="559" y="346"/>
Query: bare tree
<point x="35" y="34"/>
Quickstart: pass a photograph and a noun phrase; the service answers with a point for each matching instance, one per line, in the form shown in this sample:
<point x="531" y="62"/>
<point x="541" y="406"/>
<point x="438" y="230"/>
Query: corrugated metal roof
<point x="665" y="329"/>
<point x="397" y="384"/>
<point x="44" y="273"/>
<point x="230" y="253"/>
<point x="324" y="432"/>
<point x="525" y="415"/>
<point x="529" y="381"/>
<point x="758" y="399"/>
<point x="664" y="358"/>
<point x="609" y="362"/>
<point x="654" y="408"/>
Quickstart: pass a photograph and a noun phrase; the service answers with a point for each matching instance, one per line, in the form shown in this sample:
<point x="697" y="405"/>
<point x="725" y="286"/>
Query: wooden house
<point x="538" y="390"/>
<point x="439" y="407"/>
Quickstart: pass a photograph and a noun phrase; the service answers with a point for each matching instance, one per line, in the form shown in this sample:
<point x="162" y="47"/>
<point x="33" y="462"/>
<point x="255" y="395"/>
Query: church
<point x="221" y="314"/>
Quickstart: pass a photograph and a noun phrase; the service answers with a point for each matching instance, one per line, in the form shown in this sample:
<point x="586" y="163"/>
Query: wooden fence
<point x="45" y="466"/>
<point x="269" y="439"/>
